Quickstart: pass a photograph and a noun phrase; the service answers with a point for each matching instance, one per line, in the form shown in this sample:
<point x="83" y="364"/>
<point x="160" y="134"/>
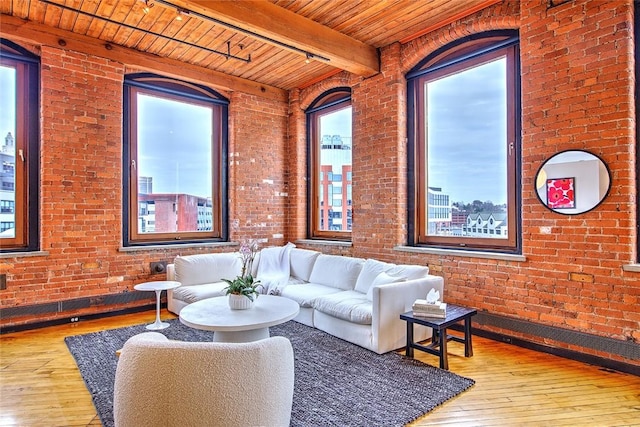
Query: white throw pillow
<point x="302" y="261"/>
<point x="336" y="271"/>
<point x="382" y="279"/>
<point x="370" y="271"/>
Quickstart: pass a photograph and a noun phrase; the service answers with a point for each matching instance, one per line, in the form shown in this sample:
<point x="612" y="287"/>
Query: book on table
<point x="422" y="308"/>
<point x="429" y="315"/>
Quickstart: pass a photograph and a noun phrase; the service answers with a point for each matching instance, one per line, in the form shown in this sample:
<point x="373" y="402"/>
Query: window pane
<point x="466" y="156"/>
<point x="7" y="151"/>
<point x="335" y="161"/>
<point x="174" y="165"/>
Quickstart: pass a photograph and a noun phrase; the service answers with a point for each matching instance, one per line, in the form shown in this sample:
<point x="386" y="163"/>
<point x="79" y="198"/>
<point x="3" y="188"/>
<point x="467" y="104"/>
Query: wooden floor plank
<point x="40" y="384"/>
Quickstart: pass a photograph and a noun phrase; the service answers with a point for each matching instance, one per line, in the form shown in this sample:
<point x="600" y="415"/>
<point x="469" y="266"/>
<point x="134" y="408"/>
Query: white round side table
<point x="158" y="287"/>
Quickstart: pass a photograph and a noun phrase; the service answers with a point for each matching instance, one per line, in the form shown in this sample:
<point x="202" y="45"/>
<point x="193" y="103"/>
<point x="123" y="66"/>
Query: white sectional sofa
<point x="354" y="299"/>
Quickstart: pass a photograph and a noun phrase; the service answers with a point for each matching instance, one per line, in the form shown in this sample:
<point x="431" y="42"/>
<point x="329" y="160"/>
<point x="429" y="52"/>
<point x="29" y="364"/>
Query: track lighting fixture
<point x="226" y="54"/>
<point x="148" y="4"/>
<point x="309" y="55"/>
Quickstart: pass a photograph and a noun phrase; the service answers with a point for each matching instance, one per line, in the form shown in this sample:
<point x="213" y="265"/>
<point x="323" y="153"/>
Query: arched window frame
<point x="319" y="220"/>
<point x="182" y="92"/>
<point x="456" y="57"/>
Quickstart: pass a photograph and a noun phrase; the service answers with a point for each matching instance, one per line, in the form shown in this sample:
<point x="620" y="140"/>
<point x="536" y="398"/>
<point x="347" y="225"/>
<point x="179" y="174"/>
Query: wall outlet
<point x="158" y="267"/>
<point x="3" y="282"/>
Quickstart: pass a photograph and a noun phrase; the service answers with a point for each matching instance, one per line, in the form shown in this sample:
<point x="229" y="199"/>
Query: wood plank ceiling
<point x="281" y="44"/>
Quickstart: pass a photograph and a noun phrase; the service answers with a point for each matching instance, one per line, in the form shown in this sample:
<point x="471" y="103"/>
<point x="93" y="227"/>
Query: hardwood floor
<point x="41" y="386"/>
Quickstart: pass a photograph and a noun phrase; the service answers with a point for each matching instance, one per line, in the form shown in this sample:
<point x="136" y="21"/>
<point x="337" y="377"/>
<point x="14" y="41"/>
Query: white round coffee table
<point x="252" y="324"/>
<point x="158" y="287"/>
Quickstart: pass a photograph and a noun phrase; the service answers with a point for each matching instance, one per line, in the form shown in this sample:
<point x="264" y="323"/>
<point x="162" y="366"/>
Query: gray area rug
<point x="336" y="383"/>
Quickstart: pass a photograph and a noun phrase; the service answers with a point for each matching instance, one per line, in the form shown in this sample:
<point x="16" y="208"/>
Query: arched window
<point x="464" y="138"/>
<point x="329" y="143"/>
<point x="19" y="148"/>
<point x="175" y="161"/>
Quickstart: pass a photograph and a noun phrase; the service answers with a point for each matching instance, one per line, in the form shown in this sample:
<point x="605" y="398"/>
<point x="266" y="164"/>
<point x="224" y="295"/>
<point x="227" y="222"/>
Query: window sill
<point x="324" y="242"/>
<point x="456" y="252"/>
<point x="23" y="254"/>
<point x="631" y="267"/>
<point x="176" y="246"/>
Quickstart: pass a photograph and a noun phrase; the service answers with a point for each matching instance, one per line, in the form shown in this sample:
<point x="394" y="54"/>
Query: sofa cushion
<point x="370" y="271"/>
<point x="336" y="271"/>
<point x="207" y="268"/>
<point x="190" y="294"/>
<point x="409" y="272"/>
<point x="305" y="293"/>
<point x="352" y="306"/>
<point x="382" y="279"/>
<point x="295" y="281"/>
<point x="302" y="261"/>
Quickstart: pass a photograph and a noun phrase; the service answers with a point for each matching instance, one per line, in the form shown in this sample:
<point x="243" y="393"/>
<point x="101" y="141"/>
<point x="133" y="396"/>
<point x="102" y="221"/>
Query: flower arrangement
<point x="245" y="284"/>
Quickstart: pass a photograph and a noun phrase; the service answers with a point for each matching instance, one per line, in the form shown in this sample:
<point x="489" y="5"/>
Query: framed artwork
<point x="561" y="193"/>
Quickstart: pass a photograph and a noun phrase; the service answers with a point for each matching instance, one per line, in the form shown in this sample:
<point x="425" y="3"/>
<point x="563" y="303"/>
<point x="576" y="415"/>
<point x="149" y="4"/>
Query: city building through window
<point x="330" y="154"/>
<point x="175" y="159"/>
<point x="464" y="142"/>
<point x="19" y="148"/>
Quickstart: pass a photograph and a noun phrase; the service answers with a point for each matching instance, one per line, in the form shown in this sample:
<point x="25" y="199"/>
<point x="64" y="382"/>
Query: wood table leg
<point x="468" y="347"/>
<point x="409" y="349"/>
<point x="444" y="361"/>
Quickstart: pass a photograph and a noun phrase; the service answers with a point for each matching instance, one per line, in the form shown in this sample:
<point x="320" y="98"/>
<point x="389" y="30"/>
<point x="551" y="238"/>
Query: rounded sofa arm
<point x="393" y="299"/>
<point x="390" y="301"/>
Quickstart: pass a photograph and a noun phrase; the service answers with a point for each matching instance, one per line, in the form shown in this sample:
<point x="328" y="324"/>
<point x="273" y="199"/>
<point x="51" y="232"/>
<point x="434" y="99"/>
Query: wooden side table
<point x="158" y="287"/>
<point x="438" y="345"/>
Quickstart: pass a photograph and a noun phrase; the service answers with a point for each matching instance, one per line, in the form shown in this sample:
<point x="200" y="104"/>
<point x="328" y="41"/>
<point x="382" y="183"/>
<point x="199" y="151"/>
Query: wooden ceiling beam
<point x="40" y="34"/>
<point x="281" y="27"/>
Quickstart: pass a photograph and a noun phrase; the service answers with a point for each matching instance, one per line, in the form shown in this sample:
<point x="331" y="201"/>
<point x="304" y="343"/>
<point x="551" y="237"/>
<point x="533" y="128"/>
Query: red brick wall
<point x="582" y="53"/>
<point x="81" y="181"/>
<point x="258" y="190"/>
<point x="577" y="93"/>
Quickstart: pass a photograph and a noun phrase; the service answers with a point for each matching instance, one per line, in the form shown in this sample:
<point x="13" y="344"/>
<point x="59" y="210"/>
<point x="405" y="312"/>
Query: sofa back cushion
<point x="207" y="268"/>
<point x="409" y="272"/>
<point x="302" y="261"/>
<point x="382" y="279"/>
<point x="370" y="270"/>
<point x="336" y="271"/>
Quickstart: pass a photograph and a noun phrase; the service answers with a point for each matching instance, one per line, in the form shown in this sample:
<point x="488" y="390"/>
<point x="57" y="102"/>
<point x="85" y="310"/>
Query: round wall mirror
<point x="573" y="182"/>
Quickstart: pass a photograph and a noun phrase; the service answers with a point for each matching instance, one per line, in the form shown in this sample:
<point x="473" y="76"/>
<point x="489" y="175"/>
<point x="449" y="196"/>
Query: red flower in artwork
<point x="564" y="183"/>
<point x="555" y="195"/>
